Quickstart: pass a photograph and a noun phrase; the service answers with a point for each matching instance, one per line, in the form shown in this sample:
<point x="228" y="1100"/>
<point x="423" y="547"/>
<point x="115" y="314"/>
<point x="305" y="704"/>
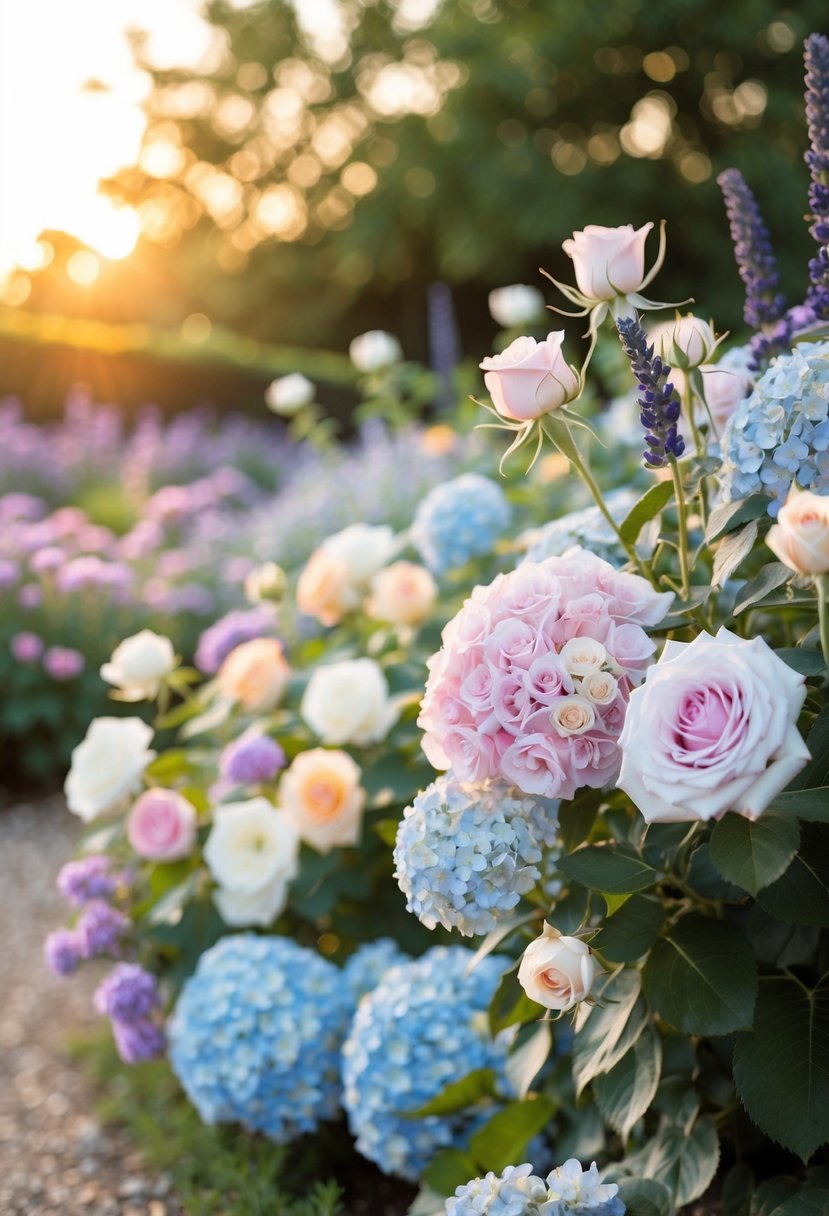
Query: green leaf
<point x="811" y="805"/>
<point x="645" y="1197"/>
<point x="510" y="1004"/>
<point x="386" y="829"/>
<point x="525" y="1062"/>
<point x="731" y="514"/>
<point x="630" y="932"/>
<point x="733" y="550"/>
<point x="701" y="977"/>
<point x="801" y="895"/>
<point x="570" y="913"/>
<point x="494" y="938"/>
<point x="816" y="772"/>
<point x="169" y="908"/>
<point x="803" y="660"/>
<point x="502" y="1141"/>
<point x="448" y="1170"/>
<point x="704" y="877"/>
<point x="576" y="819"/>
<point x="769" y="578"/>
<point x="625" y="1092"/>
<point x="686" y="1161"/>
<point x="781" y="1069"/>
<point x="810" y="1201"/>
<point x="481" y="1083"/>
<point x="617" y="869"/>
<point x="610" y="1028"/>
<point x="428" y="1202"/>
<point x="737" y="1189"/>
<point x="753" y="853"/>
<point x="647" y="508"/>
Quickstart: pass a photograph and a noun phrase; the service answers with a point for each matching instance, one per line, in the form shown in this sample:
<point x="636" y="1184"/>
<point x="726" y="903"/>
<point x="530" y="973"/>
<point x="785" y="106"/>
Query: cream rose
<point x="572" y="715"/>
<point x="107" y="766"/>
<point x="139" y="664"/>
<point x="557" y="972"/>
<point x="800" y="538"/>
<point x="517" y="304"/>
<point x="600" y="687"/>
<point x="252" y="853"/>
<point x="255" y="674"/>
<point x="287" y="395"/>
<point x="321" y="795"/>
<point x="530" y="378"/>
<point x="404" y="594"/>
<point x="608" y="262"/>
<point x="265" y="582"/>
<point x="374" y="350"/>
<point x="581" y="656"/>
<point x="712" y="729"/>
<point x="685" y="342"/>
<point x="348" y="702"/>
<point x="338" y="573"/>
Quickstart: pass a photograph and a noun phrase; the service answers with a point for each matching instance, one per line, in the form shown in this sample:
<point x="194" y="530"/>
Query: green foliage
<point x="752" y="854"/>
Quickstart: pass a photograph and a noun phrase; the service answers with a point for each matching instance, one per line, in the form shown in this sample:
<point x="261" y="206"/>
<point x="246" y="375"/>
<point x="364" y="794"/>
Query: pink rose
<point x="533" y="764"/>
<point x="800" y="538"/>
<point x="608" y="262"/>
<point x="530" y="378"/>
<point x="471" y="755"/>
<point x="162" y="826"/>
<point x="712" y="729"/>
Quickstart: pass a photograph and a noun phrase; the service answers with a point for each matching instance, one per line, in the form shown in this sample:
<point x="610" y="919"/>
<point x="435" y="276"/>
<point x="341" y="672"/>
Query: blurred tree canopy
<point x="313" y="183"/>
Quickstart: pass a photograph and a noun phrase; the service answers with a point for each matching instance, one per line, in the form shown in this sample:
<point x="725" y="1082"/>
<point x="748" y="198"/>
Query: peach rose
<point x="608" y="262"/>
<point x="321" y="795"/>
<point x="530" y="378"/>
<point x="338" y="573"/>
<point x="800" y="538"/>
<point x="404" y="594"/>
<point x="255" y="674"/>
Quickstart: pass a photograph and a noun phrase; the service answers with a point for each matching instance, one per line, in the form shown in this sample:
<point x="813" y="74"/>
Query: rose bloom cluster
<point x="535" y="672"/>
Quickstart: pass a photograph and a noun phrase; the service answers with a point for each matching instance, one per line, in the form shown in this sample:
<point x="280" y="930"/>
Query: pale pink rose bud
<point x="724" y="388"/>
<point x="608" y="262"/>
<point x="162" y="826"/>
<point x="685" y="342"/>
<point x="800" y="538"/>
<point x="404" y="594"/>
<point x="572" y="715"/>
<point x="255" y="674"/>
<point x="557" y="972"/>
<point x="530" y="378"/>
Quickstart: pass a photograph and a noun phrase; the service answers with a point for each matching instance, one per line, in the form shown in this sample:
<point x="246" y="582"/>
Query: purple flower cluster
<point x="90" y="884"/>
<point x="658" y="403"/>
<point x="251" y="759"/>
<point x="129" y="997"/>
<point x="817" y="158"/>
<point x="87" y="879"/>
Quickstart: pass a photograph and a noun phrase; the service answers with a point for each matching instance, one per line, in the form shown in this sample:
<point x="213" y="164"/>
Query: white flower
<point x="348" y="702"/>
<point x="608" y="262"/>
<point x="107" y="766"/>
<point x="515" y="305"/>
<point x="685" y="342"/>
<point x="572" y="715"/>
<point x="252" y="852"/>
<point x="139" y="664"/>
<point x="374" y="350"/>
<point x="265" y="582"/>
<point x="557" y="972"/>
<point x="581" y="656"/>
<point x="339" y="571"/>
<point x="287" y="395"/>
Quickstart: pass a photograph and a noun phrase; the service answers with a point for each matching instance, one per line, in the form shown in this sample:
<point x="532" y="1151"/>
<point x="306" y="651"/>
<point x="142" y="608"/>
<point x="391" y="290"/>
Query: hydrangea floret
<point x="466" y="853"/>
<point x="458" y="520"/>
<point x="567" y="1190"/>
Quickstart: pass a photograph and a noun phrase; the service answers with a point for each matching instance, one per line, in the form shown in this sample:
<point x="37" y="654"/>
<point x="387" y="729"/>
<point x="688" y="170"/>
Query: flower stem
<point x="682" y="526"/>
<point x="822" y="589"/>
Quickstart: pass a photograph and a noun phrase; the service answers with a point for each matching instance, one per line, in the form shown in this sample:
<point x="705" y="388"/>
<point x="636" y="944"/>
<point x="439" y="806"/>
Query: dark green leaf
<point x="459" y="1094"/>
<point x="781" y="1069"/>
<point x="733" y="550"/>
<point x="802" y="894"/>
<point x="629" y="933"/>
<point x="731" y="514"/>
<point x="771" y="1194"/>
<point x="625" y="1092"/>
<point x="502" y="1141"/>
<point x="810" y="1201"/>
<point x="753" y="853"/>
<point x="816" y="772"/>
<point x="645" y="1197"/>
<point x="647" y="508"/>
<point x="810" y="805"/>
<point x="704" y="877"/>
<point x="783" y="945"/>
<point x="802" y="659"/>
<point x="737" y="1189"/>
<point x="569" y="914"/>
<point x="617" y="869"/>
<point x="526" y="1061"/>
<point x="701" y="977"/>
<point x="610" y="1028"/>
<point x="686" y="1161"/>
<point x="576" y="818"/>
<point x="510" y="1004"/>
<point x="768" y="579"/>
<point x="448" y="1170"/>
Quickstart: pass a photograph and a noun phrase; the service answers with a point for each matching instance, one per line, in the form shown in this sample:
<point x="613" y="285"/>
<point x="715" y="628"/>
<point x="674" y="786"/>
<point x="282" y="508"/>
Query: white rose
<point x="374" y="350"/>
<point x="265" y="582"/>
<point x="364" y="548"/>
<point x="572" y="715"/>
<point x="252" y="853"/>
<point x="404" y="594"/>
<point x="608" y="262"/>
<point x="600" y="687"/>
<point x="139" y="664"/>
<point x="339" y="571"/>
<point x="557" y="972"/>
<point x="107" y="766"/>
<point x="581" y="656"/>
<point x="287" y="395"/>
<point x="348" y="702"/>
<point x="517" y="304"/>
<point x="685" y="342"/>
<point x="800" y="538"/>
<point x="321" y="795"/>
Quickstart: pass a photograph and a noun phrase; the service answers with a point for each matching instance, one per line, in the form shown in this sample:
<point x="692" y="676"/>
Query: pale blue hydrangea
<point x="465" y="854"/>
<point x="424" y="1027"/>
<point x="368" y="965"/>
<point x="780" y="433"/>
<point x="459" y="520"/>
<point x="573" y="1191"/>
<point x="256" y="1035"/>
<point x="517" y="1192"/>
<point x="585" y="529"/>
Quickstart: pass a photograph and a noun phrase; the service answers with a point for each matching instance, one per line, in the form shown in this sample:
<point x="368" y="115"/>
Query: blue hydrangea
<point x="517" y="1192"/>
<point x="577" y="1192"/>
<point x="368" y="965"/>
<point x="465" y="853"/>
<point x="256" y="1035"/>
<point x="780" y="433"/>
<point x="459" y="520"/>
<point x="424" y="1027"/>
<point x="585" y="529"/>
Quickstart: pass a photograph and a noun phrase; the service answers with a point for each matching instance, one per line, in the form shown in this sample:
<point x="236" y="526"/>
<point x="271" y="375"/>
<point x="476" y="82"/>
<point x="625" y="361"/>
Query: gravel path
<point x="54" y="1156"/>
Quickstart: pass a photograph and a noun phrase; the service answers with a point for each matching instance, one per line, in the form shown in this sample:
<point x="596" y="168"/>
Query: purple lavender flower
<point x="63" y="950"/>
<point x="138" y="1041"/>
<point x="241" y="625"/>
<point x="659" y="404"/>
<point x="251" y="759"/>
<point x="101" y="929"/>
<point x="26" y="647"/>
<point x="63" y="663"/>
<point x="128" y="994"/>
<point x="9" y="572"/>
<point x="817" y="158"/>
<point x="89" y="878"/>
